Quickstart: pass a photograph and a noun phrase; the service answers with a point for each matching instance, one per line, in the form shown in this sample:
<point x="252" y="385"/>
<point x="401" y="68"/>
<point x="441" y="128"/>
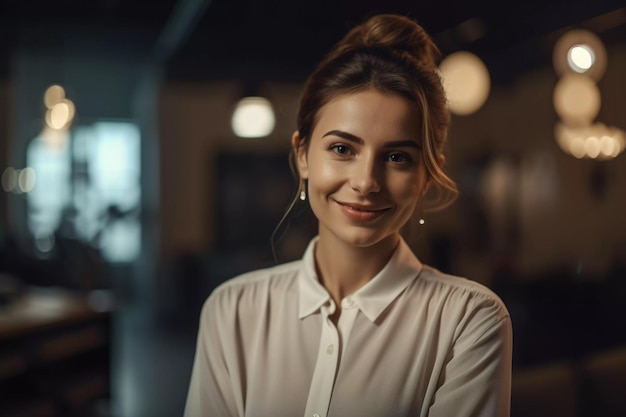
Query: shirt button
<point x="330" y="349"/>
<point x="316" y="415"/>
<point x="348" y="302"/>
<point x="331" y="308"/>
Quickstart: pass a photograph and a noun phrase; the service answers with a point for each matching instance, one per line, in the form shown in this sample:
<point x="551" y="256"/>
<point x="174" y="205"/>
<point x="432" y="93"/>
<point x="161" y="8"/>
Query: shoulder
<point x="252" y="288"/>
<point x="467" y="309"/>
<point x="461" y="294"/>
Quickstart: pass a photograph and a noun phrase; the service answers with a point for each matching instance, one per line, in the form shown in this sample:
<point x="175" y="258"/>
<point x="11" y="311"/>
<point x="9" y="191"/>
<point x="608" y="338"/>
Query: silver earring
<point x="302" y="192"/>
<point x="420" y="218"/>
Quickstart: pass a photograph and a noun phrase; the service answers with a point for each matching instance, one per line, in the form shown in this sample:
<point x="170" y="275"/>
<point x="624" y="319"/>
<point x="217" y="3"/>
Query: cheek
<point x="323" y="174"/>
<point x="407" y="190"/>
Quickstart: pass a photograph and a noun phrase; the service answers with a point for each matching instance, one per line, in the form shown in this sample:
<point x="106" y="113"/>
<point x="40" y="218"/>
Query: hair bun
<point x="394" y="32"/>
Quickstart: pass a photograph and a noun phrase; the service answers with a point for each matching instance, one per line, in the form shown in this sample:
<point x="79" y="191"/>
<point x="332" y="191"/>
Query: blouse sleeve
<point x="211" y="390"/>
<point x="476" y="380"/>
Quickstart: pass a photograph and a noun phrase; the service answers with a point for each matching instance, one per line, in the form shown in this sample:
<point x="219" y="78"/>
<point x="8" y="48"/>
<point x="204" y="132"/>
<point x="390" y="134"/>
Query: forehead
<point x="371" y="114"/>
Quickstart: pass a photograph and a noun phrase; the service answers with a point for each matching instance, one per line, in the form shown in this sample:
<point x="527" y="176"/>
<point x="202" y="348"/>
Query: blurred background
<point x="143" y="151"/>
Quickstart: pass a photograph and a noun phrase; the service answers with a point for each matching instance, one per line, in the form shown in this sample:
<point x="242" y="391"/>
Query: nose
<point x="365" y="177"/>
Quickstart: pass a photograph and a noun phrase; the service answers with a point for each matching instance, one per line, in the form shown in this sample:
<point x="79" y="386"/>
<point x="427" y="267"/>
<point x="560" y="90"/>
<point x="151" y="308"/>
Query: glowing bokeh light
<point x="608" y="146"/>
<point x="9" y="179"/>
<point x="253" y="118"/>
<point x="580" y="51"/>
<point x="466" y="81"/>
<point x="580" y="58"/>
<point x="577" y="147"/>
<point x="576" y="99"/>
<point x="61" y="114"/>
<point x="26" y="180"/>
<point x="596" y="141"/>
<point x="71" y="109"/>
<point x="53" y="95"/>
<point x="592" y="147"/>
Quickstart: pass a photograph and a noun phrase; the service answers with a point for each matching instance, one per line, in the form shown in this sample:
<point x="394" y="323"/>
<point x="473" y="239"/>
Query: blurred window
<point x="89" y="188"/>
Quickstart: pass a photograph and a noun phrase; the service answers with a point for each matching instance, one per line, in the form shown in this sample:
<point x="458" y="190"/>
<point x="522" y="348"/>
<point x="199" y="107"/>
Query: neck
<point x="343" y="268"/>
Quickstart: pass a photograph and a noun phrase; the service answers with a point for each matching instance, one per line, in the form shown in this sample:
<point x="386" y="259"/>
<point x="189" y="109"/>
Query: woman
<point x="359" y="326"/>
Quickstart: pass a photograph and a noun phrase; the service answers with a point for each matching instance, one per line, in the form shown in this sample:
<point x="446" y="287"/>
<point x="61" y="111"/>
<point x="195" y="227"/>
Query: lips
<point x="362" y="213"/>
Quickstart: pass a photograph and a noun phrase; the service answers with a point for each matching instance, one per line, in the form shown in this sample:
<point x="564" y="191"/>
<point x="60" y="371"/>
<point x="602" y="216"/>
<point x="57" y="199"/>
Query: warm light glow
<point x="9" y="179"/>
<point x="580" y="58"/>
<point x="608" y="146"/>
<point x="71" y="109"/>
<point x="576" y="99"/>
<point x="592" y="146"/>
<point x="466" y="82"/>
<point x="580" y="51"/>
<point x="253" y="118"/>
<point x="60" y="115"/>
<point x="596" y="141"/>
<point x="53" y="95"/>
<point x="26" y="180"/>
<point x="577" y="147"/>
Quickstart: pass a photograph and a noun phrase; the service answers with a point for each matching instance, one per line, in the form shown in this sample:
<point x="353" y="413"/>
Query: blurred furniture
<point x="54" y="356"/>
<point x="594" y="385"/>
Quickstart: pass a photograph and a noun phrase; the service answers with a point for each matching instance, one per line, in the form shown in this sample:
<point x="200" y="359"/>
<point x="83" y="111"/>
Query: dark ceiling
<point x="283" y="39"/>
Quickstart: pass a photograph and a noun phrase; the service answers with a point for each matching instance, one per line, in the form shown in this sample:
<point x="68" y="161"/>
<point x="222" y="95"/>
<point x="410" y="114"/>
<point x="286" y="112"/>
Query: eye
<point x="340" y="149"/>
<point x="399" y="158"/>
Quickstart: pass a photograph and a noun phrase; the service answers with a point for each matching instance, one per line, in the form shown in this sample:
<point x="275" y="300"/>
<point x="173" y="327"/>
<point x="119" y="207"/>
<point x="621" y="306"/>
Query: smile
<point x="361" y="213"/>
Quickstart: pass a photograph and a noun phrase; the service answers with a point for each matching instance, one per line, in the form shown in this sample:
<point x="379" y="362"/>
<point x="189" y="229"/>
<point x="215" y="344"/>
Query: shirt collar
<point x="375" y="296"/>
<point x="313" y="295"/>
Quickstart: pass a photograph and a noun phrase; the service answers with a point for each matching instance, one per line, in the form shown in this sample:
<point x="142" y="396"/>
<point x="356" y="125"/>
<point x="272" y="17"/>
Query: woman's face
<point x="364" y="167"/>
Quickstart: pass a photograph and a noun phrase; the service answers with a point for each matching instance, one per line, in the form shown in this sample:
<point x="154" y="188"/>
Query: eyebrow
<point x="358" y="140"/>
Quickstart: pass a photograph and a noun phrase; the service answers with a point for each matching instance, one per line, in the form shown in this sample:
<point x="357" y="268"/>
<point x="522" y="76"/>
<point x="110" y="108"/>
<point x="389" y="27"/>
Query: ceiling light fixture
<point x="576" y="99"/>
<point x="579" y="51"/>
<point x="579" y="59"/>
<point x="253" y="117"/>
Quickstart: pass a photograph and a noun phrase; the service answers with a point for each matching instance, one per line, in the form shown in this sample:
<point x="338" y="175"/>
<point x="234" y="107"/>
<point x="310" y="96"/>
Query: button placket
<point x="346" y="321"/>
<point x="325" y="370"/>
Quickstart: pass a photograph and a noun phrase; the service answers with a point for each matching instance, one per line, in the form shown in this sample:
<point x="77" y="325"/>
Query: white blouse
<point x="411" y="342"/>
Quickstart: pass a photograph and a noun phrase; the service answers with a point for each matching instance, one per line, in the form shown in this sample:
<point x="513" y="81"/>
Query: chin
<point x="365" y="238"/>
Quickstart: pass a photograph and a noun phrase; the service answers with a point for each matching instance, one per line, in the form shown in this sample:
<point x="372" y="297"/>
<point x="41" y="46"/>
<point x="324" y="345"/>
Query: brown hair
<point x="391" y="54"/>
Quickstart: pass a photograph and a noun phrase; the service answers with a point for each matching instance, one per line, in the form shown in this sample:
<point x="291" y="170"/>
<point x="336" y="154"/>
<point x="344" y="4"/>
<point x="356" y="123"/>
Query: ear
<point x="299" y="149"/>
